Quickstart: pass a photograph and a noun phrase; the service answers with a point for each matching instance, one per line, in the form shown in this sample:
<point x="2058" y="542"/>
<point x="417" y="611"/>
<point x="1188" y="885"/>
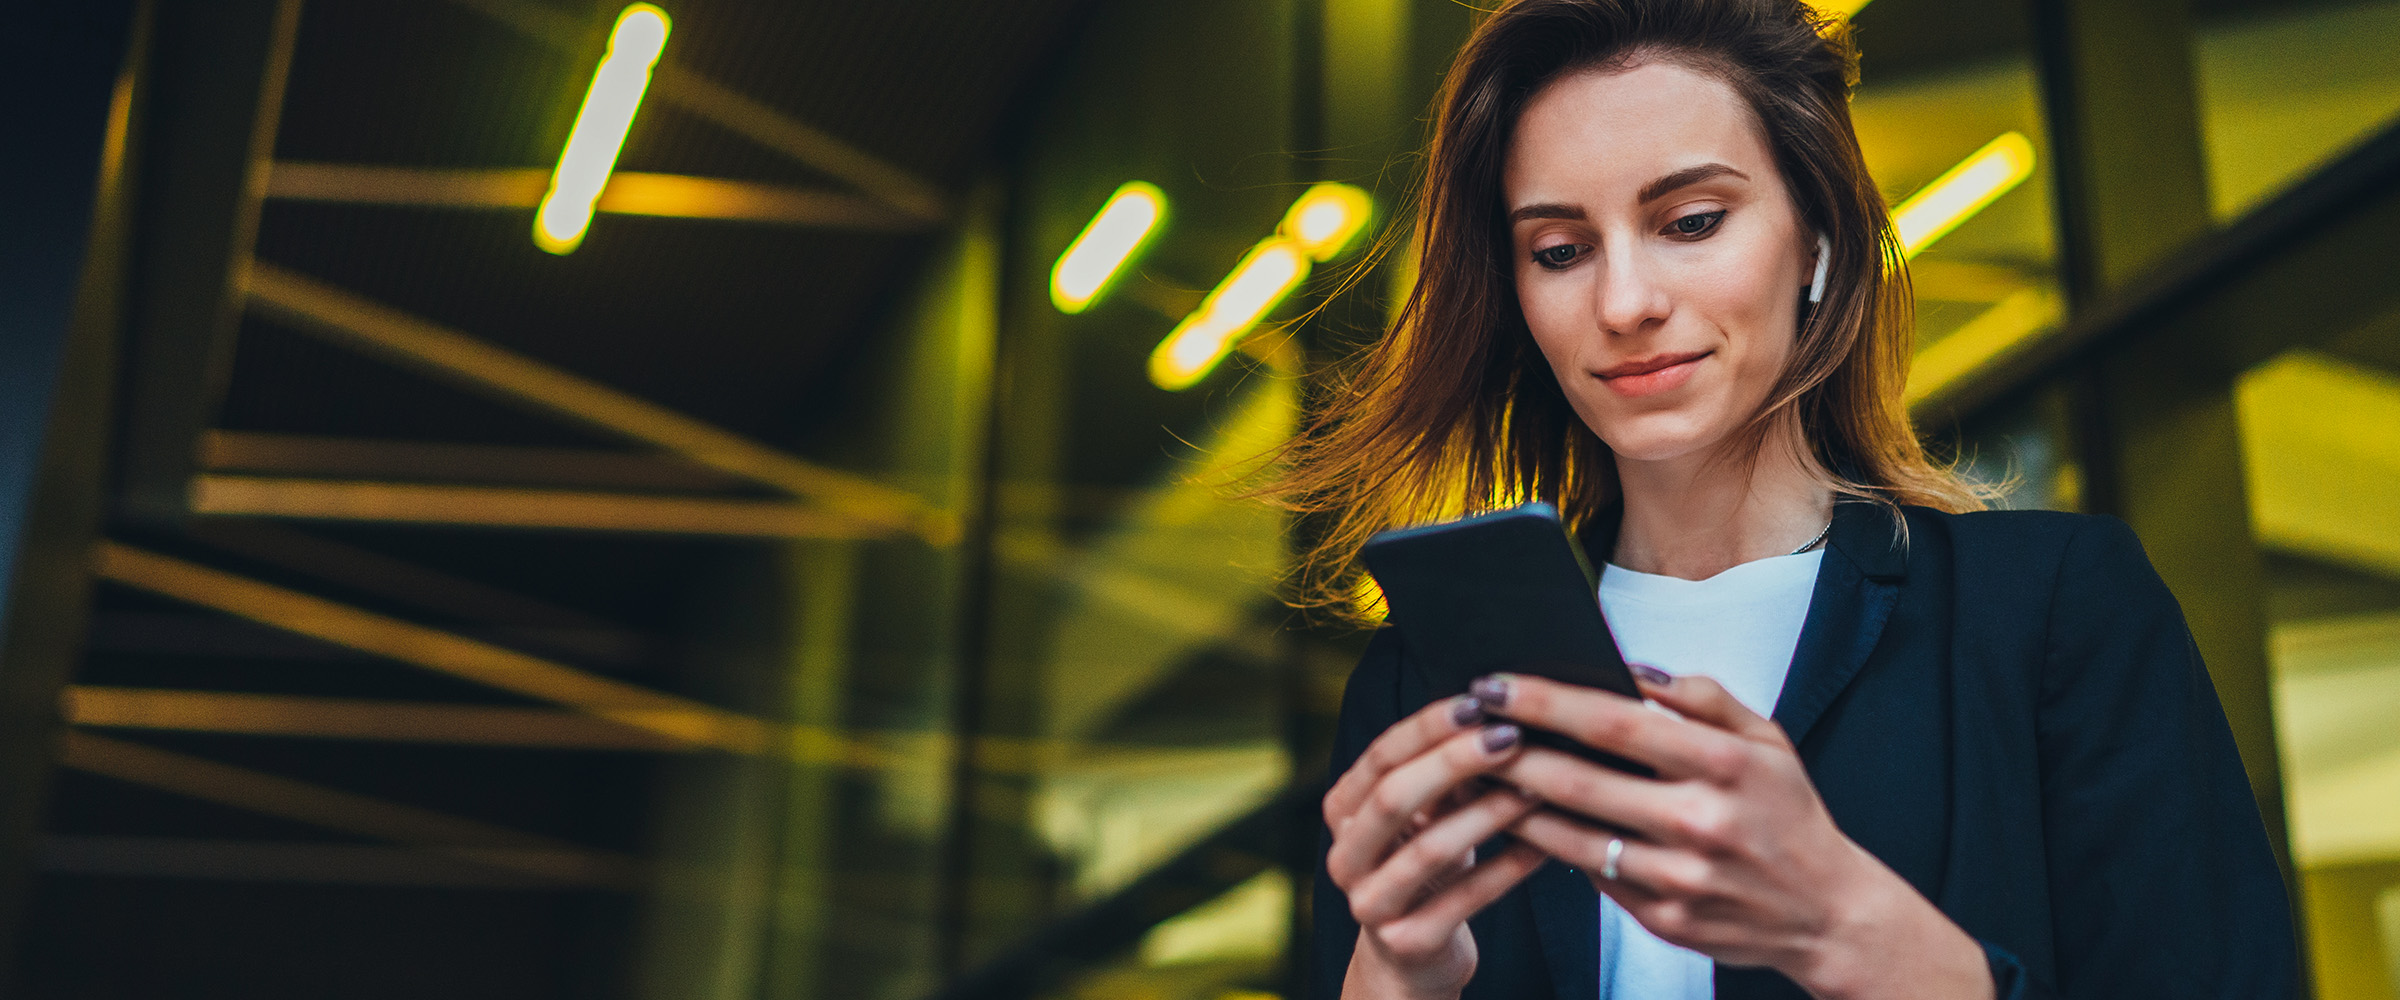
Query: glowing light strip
<point x="1263" y="279"/>
<point x="599" y="134"/>
<point x="1325" y="218"/>
<point x="1106" y="245"/>
<point x="1964" y="190"/>
<point x="1321" y="223"/>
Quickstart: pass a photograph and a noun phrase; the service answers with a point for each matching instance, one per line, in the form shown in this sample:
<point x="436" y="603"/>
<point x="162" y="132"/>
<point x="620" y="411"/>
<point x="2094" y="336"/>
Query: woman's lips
<point x="1653" y="374"/>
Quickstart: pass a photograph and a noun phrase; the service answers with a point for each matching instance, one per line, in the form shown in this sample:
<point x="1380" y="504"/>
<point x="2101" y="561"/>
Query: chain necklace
<point x="1812" y="543"/>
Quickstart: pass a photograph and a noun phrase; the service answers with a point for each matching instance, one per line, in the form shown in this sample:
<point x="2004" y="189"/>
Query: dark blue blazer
<point x="2007" y="708"/>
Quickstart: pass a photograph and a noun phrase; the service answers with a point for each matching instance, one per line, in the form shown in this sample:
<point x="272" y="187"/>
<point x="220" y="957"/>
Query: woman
<point x="1915" y="749"/>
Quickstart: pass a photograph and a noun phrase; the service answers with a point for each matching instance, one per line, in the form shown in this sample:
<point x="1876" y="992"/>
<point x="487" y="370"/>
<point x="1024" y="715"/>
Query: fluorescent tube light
<point x="1964" y="190"/>
<point x="1318" y="227"/>
<point x="592" y="148"/>
<point x="1106" y="245"/>
<point x="1325" y="218"/>
<point x="1262" y="280"/>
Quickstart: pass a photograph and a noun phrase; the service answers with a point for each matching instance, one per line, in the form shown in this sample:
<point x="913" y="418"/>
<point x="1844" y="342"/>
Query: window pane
<point x="2284" y="89"/>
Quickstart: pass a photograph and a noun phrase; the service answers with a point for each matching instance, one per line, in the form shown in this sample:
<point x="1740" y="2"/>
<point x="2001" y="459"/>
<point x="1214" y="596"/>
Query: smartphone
<point x="1503" y="591"/>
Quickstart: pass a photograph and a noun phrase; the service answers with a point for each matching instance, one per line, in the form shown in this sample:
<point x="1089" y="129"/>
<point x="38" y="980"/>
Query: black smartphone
<point x="1503" y="591"/>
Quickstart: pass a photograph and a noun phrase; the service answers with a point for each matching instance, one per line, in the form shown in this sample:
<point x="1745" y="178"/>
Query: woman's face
<point x="1660" y="261"/>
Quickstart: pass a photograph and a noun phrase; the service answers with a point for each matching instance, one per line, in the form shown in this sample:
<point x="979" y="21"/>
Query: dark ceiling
<point x="740" y="324"/>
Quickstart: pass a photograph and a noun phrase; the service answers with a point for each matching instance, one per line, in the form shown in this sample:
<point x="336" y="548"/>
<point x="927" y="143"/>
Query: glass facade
<point x="2284" y="92"/>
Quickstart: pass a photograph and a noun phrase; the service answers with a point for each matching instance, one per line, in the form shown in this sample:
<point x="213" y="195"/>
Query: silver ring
<point x="1608" y="861"/>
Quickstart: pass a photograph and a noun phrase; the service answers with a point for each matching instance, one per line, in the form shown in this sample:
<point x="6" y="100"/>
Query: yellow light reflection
<point x="1957" y="195"/>
<point x="1106" y="245"/>
<point x="2321" y="453"/>
<point x="1264" y="277"/>
<point x="1991" y="335"/>
<point x="599" y="134"/>
<point x="1325" y="218"/>
<point x="1838" y="8"/>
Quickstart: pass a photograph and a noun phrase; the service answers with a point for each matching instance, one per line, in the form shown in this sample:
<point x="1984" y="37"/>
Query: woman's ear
<point x="1816" y="285"/>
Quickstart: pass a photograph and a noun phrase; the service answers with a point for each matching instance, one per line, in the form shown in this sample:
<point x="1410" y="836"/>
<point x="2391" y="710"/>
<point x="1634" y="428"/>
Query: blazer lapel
<point x="1856" y="589"/>
<point x="1857" y="586"/>
<point x="1566" y="916"/>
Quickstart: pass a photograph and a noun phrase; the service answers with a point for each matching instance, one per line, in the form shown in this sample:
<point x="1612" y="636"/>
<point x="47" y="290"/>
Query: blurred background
<point x="797" y="562"/>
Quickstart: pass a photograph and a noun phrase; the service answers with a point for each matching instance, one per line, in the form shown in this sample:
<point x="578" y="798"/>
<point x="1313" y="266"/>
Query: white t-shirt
<point x="1739" y="627"/>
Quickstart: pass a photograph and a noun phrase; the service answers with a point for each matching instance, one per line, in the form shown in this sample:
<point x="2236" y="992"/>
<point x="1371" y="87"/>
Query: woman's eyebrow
<point x="1545" y="210"/>
<point x="1685" y="177"/>
<point x="1650" y="192"/>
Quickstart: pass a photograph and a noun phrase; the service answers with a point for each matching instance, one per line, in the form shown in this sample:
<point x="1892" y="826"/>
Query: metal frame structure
<point x="159" y="159"/>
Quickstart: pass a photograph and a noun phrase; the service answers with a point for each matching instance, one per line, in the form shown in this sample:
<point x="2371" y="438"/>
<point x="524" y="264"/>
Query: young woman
<point x="1915" y="749"/>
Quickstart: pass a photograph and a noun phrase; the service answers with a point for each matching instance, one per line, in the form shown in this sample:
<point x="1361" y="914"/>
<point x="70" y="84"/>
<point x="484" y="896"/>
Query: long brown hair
<point x="1454" y="409"/>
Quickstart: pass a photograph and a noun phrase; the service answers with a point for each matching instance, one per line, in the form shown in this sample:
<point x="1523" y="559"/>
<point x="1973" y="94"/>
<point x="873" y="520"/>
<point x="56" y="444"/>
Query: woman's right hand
<point x="1405" y="821"/>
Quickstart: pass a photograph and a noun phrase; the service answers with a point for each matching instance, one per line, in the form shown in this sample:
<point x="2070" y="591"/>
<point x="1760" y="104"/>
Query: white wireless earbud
<point x="1816" y="285"/>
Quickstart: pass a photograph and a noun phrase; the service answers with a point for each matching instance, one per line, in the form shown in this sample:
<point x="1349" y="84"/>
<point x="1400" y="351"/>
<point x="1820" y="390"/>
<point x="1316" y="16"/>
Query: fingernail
<point x="1492" y="690"/>
<point x="1653" y="674"/>
<point x="1500" y="737"/>
<point x="1466" y="711"/>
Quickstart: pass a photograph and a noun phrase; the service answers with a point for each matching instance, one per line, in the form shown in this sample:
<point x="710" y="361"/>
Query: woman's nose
<point x="1629" y="296"/>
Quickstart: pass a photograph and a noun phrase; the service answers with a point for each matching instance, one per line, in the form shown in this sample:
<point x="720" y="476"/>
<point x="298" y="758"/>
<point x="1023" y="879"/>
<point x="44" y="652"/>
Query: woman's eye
<point x="1555" y="257"/>
<point x="1697" y="223"/>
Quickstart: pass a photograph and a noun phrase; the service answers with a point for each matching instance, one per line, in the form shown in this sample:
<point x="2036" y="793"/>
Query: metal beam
<point x="466" y="839"/>
<point x="736" y="112"/>
<point x="673" y="196"/>
<point x="353" y="719"/>
<point x="400" y="580"/>
<point x="682" y="720"/>
<point x="444" y="462"/>
<point x="311" y="717"/>
<point x="503" y="616"/>
<point x="514" y="507"/>
<point x="68" y="190"/>
<point x="674" y="719"/>
<point x="214" y="99"/>
<point x="300" y="862"/>
<point x="669" y="716"/>
<point x="347" y="319"/>
<point x="820" y="150"/>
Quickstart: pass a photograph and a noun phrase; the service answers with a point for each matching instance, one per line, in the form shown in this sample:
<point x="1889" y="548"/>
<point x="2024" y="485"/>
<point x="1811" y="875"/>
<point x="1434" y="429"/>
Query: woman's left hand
<point x="1729" y="851"/>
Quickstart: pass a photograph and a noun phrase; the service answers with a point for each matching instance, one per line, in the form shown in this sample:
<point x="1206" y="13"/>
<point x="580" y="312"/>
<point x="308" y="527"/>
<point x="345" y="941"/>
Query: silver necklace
<point x="1812" y="543"/>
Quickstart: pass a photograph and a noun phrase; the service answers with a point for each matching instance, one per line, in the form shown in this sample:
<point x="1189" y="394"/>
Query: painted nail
<point x="1466" y="711"/>
<point x="1492" y="690"/>
<point x="1652" y="674"/>
<point x="1500" y="737"/>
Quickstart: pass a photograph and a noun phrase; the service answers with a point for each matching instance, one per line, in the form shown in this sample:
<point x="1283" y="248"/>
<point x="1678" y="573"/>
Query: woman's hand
<point x="1729" y="851"/>
<point x="1405" y="821"/>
